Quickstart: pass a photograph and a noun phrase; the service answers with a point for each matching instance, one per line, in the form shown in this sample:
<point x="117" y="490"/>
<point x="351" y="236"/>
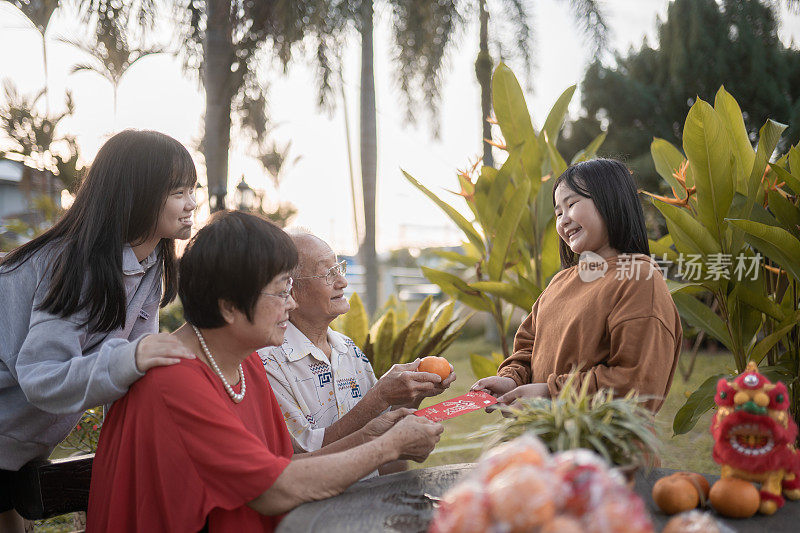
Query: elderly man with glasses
<point x="323" y="382"/>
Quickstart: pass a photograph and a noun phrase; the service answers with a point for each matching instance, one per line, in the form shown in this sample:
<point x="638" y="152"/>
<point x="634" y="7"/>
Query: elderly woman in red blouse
<point x="202" y="445"/>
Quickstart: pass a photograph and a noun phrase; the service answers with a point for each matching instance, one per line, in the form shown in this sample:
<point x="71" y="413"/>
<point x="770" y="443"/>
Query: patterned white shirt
<point x="315" y="392"/>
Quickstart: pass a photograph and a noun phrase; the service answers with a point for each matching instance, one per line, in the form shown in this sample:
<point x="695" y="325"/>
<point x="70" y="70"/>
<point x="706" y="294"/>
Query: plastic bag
<point x="518" y="487"/>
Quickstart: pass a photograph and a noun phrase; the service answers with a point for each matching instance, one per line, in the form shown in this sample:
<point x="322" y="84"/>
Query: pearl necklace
<point x="235" y="397"/>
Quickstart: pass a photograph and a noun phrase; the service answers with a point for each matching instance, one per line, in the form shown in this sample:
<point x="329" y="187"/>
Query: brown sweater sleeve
<point x="518" y="365"/>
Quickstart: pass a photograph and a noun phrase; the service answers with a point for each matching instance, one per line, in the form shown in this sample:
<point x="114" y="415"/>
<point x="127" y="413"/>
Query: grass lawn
<point x="691" y="451"/>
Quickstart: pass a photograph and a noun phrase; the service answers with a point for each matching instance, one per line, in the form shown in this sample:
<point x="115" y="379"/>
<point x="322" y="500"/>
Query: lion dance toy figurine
<point x="754" y="436"/>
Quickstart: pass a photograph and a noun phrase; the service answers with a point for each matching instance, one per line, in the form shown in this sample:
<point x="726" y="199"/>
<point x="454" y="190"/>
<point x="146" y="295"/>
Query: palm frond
<point x="110" y="50"/>
<point x="38" y="12"/>
<point x="520" y="15"/>
<point x="29" y="134"/>
<point x="144" y="13"/>
<point x="80" y="45"/>
<point x="423" y="32"/>
<point x="136" y="55"/>
<point x="91" y="67"/>
<point x="590" y="18"/>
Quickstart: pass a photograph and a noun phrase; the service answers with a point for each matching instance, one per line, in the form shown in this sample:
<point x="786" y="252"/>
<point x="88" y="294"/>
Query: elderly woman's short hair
<point x="232" y="258"/>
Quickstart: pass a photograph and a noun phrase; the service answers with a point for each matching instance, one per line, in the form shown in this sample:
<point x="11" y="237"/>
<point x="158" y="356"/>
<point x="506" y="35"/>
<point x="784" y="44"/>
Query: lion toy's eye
<point x="724" y="393"/>
<point x="778" y="397"/>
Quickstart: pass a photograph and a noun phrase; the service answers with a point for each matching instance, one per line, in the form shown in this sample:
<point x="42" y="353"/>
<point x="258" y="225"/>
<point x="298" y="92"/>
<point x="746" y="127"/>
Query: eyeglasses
<point x="339" y="269"/>
<point x="284" y="294"/>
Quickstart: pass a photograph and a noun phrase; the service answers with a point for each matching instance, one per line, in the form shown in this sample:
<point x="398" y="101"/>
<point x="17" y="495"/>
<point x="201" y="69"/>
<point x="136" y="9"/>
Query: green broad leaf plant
<point x="395" y="337"/>
<point x="739" y="205"/>
<point x="510" y="248"/>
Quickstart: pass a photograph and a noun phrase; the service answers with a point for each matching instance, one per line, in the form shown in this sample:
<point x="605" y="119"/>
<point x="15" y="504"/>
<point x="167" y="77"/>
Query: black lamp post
<point x="245" y="196"/>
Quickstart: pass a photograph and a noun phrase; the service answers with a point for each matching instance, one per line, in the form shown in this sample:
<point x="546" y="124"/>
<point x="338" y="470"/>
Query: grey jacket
<point x="52" y="368"/>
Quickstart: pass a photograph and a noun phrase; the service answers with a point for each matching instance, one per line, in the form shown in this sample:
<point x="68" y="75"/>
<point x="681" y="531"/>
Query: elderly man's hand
<point x="415" y="437"/>
<point x="383" y="423"/>
<point x="402" y="385"/>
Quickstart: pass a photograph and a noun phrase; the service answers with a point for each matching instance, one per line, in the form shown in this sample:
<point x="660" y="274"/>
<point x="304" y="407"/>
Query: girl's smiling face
<point x="579" y="223"/>
<point x="175" y="219"/>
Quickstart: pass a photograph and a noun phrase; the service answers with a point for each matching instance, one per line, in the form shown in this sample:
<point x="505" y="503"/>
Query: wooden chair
<point x="52" y="488"/>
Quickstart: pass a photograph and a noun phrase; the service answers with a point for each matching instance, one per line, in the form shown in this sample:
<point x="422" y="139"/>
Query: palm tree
<point x="588" y="16"/>
<point x="110" y="52"/>
<point x="483" y="71"/>
<point x="423" y="29"/>
<point x="369" y="156"/>
<point x="225" y="40"/>
<point x="39" y="13"/>
<point x="350" y="172"/>
<point x="220" y="86"/>
<point x="30" y="134"/>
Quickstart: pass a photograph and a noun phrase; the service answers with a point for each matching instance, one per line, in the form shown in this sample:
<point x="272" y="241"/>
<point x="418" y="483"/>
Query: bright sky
<point x="157" y="94"/>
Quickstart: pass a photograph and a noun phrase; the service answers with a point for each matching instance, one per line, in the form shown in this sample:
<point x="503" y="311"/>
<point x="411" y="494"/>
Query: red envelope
<point x="457" y="406"/>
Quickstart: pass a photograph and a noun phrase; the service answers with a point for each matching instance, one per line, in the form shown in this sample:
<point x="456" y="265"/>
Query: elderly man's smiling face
<point x="317" y="300"/>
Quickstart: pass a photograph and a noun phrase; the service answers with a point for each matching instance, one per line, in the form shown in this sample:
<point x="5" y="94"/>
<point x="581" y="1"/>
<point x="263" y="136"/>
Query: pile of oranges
<point x="519" y="487"/>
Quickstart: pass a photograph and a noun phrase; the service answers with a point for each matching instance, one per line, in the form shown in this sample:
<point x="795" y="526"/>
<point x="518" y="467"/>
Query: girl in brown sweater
<point x="607" y="314"/>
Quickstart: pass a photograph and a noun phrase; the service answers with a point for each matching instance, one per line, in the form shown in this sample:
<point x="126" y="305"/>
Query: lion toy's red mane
<point x="754" y="436"/>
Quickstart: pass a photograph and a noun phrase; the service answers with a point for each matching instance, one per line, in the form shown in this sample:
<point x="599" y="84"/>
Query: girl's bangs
<point x="577" y="184"/>
<point x="573" y="181"/>
<point x="184" y="173"/>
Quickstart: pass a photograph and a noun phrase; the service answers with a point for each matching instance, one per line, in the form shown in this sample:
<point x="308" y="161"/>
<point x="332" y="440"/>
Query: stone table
<point x="399" y="503"/>
<point x="786" y="519"/>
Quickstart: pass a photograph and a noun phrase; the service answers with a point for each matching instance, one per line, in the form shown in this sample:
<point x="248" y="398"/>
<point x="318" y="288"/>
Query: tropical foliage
<point x="86" y="434"/>
<point x="729" y="205"/>
<point x="643" y="93"/>
<point x="483" y="367"/>
<point x="110" y="54"/>
<point x="39" y="13"/>
<point x="32" y="137"/>
<point x="46" y="212"/>
<point x="619" y="429"/>
<point x="511" y="246"/>
<point x="397" y="338"/>
<point x="588" y="16"/>
<point x="170" y="317"/>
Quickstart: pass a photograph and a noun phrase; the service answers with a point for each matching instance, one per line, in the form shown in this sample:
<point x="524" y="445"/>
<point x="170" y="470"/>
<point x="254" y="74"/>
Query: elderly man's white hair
<point x="296" y="231"/>
<point x="302" y="237"/>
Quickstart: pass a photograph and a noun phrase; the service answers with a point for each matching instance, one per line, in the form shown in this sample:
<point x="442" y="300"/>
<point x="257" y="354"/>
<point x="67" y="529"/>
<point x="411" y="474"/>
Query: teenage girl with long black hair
<point x="607" y="315"/>
<point x="80" y="302"/>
